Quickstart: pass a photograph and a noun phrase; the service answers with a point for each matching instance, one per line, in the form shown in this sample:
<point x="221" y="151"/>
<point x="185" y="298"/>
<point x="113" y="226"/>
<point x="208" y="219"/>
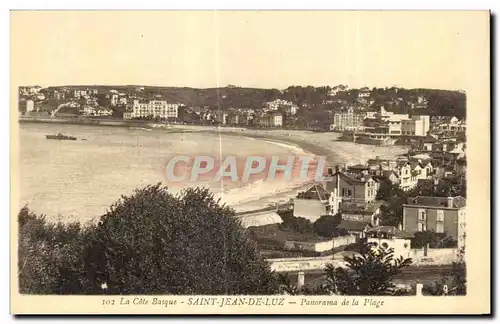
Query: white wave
<point x="291" y="147"/>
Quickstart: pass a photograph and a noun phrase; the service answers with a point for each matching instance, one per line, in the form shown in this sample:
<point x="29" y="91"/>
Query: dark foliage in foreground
<point x="149" y="243"/>
<point x="452" y="284"/>
<point x="369" y="273"/>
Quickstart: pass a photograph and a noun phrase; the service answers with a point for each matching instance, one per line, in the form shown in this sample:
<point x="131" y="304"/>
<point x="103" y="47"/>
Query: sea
<point x="79" y="180"/>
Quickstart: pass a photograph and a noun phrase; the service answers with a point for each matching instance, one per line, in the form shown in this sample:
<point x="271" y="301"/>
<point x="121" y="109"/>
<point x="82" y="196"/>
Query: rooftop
<point x="361" y="208"/>
<point x="352" y="225"/>
<point x="315" y="192"/>
<point x="414" y="164"/>
<point x="389" y="231"/>
<point x="456" y="202"/>
<point x="358" y="167"/>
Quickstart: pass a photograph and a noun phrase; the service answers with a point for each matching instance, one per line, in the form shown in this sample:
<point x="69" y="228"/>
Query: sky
<point x="263" y="49"/>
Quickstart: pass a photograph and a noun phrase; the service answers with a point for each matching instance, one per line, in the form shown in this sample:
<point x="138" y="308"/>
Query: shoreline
<point x="327" y="146"/>
<point x="321" y="144"/>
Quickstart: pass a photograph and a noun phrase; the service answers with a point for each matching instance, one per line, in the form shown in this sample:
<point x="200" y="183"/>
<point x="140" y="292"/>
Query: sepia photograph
<point x="239" y="162"/>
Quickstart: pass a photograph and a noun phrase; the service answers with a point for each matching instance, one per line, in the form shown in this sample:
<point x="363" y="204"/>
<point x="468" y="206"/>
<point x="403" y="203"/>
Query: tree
<point x="433" y="239"/>
<point x="50" y="255"/>
<point x="296" y="224"/>
<point x="392" y="211"/>
<point x="387" y="190"/>
<point x="326" y="226"/>
<point x="155" y="243"/>
<point x="151" y="242"/>
<point x="369" y="273"/>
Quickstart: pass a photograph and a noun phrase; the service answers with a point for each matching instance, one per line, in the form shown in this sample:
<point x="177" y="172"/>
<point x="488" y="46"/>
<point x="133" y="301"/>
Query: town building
<point x="312" y="203"/>
<point x="453" y="126"/>
<point x="439" y="214"/>
<point x="122" y="100"/>
<point x="347" y="120"/>
<point x="79" y="93"/>
<point x="404" y="124"/>
<point x="354" y="228"/>
<point x="286" y="107"/>
<point x="389" y="176"/>
<point x="271" y="120"/>
<point x="29" y="90"/>
<point x="360" y="188"/>
<point x="26" y="105"/>
<point x="95" y="111"/>
<point x="364" y="92"/>
<point x="381" y="164"/>
<point x="368" y="213"/>
<point x="336" y="89"/>
<point x="237" y="119"/>
<point x="389" y="237"/>
<point x="55" y="93"/>
<point x="221" y="117"/>
<point x="152" y="109"/>
<point x="418" y="125"/>
<point x="290" y="110"/>
<point x="113" y="98"/>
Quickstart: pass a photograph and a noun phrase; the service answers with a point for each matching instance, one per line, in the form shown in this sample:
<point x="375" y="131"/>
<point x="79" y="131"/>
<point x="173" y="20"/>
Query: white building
<point x="152" y="109"/>
<point x="114" y="99"/>
<point x="364" y="93"/>
<point x="29" y="90"/>
<point x="287" y="106"/>
<point x="403" y="124"/>
<point x="415" y="126"/>
<point x="122" y="100"/>
<point x="96" y="111"/>
<point x="347" y="120"/>
<point x="337" y="89"/>
<point x="291" y="110"/>
<point x="389" y="237"/>
<point x="78" y="93"/>
<point x="30" y="105"/>
<point x="275" y="119"/>
<point x="454" y="125"/>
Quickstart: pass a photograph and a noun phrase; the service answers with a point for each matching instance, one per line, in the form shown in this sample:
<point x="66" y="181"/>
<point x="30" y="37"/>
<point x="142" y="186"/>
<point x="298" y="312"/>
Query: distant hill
<point x="440" y="102"/>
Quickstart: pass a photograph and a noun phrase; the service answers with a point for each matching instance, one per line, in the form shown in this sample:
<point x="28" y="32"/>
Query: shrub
<point x="50" y="255"/>
<point x="148" y="243"/>
<point x="326" y="226"/>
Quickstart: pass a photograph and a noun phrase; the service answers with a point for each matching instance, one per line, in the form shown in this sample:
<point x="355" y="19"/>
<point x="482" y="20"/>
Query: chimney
<point x="450" y="202"/>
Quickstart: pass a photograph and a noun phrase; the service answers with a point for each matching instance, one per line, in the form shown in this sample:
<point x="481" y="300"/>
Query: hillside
<point x="440" y="102"/>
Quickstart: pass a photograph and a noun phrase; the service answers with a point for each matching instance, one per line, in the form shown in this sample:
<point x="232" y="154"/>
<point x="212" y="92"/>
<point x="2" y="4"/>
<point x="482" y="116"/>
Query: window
<point x="422" y="227"/>
<point x="440" y="216"/>
<point x="422" y="215"/>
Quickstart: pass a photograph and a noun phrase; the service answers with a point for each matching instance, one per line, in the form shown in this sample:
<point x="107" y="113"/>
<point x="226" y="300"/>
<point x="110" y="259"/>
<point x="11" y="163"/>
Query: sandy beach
<point x="316" y="143"/>
<point x="116" y="160"/>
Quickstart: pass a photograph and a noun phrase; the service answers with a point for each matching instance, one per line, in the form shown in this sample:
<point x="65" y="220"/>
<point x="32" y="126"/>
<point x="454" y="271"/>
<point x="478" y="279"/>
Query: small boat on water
<point x="60" y="136"/>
